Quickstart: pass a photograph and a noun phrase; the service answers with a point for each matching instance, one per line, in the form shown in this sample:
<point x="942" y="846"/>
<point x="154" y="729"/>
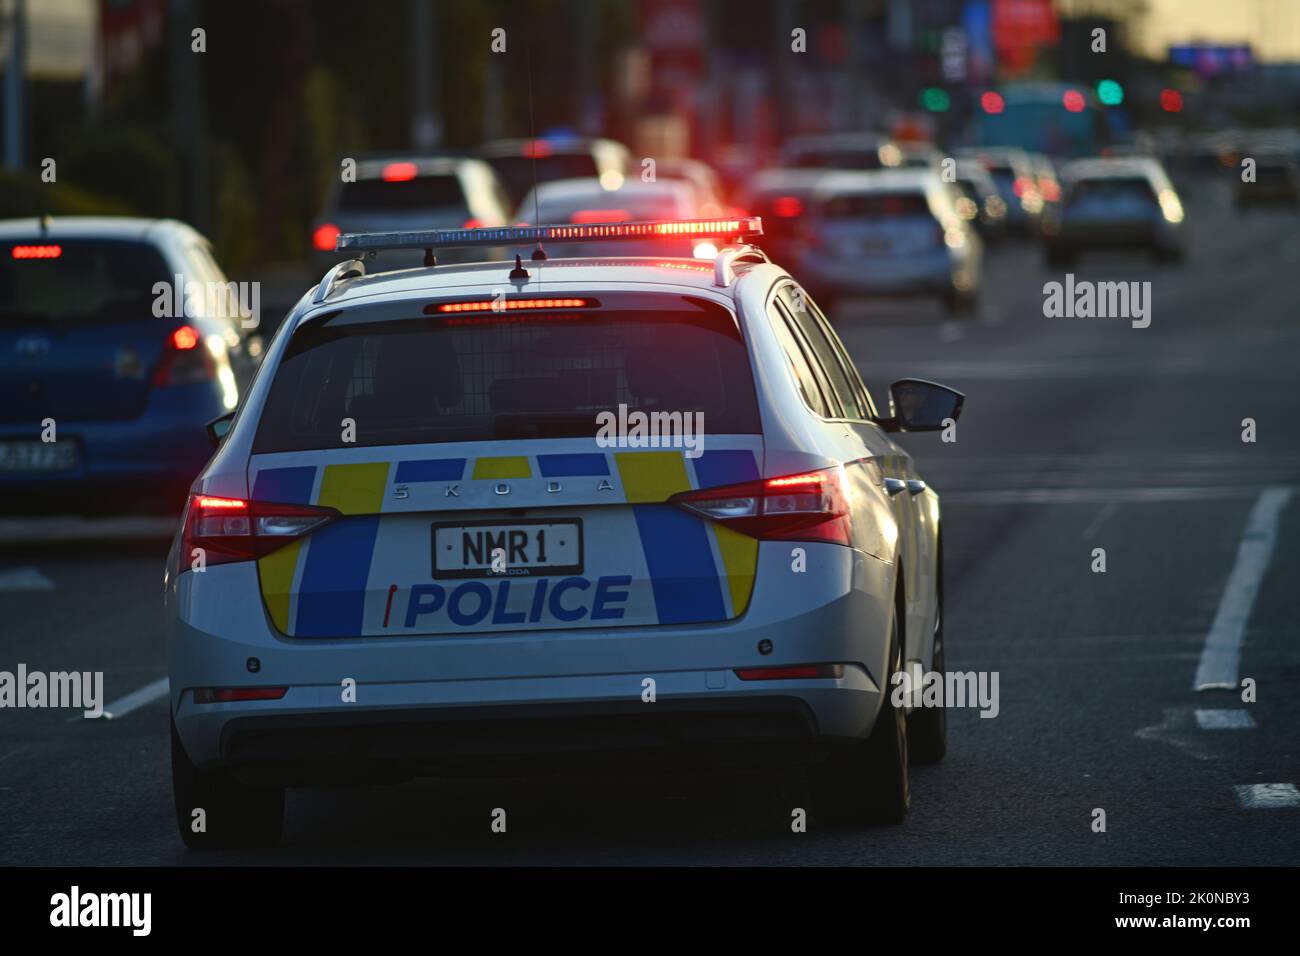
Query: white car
<point x="422" y="548"/>
<point x="893" y="232"/>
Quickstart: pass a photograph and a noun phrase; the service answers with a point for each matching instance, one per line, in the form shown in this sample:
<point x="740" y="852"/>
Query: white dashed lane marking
<point x="1267" y="796"/>
<point x="24" y="579"/>
<point x="1224" y="720"/>
<point x="1222" y="653"/>
<point x="134" y="701"/>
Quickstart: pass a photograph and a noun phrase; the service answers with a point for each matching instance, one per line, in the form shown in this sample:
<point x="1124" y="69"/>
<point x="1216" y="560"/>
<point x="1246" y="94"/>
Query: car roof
<point x="1113" y="167"/>
<point x="782" y="179"/>
<point x="373" y="167"/>
<point x="585" y="186"/>
<point x="594" y="272"/>
<point x="565" y="145"/>
<point x="877" y="180"/>
<point x="92" y="227"/>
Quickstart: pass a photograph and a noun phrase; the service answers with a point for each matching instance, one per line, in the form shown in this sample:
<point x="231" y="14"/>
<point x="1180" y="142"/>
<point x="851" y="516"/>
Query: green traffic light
<point x="935" y="100"/>
<point x="1110" y="93"/>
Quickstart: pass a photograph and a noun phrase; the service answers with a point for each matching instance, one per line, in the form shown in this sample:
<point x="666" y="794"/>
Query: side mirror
<point x="916" y="405"/>
<point x="218" y="427"/>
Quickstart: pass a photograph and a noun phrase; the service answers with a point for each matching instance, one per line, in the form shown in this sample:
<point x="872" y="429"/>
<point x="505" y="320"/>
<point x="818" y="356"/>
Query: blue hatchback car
<point x="119" y="339"/>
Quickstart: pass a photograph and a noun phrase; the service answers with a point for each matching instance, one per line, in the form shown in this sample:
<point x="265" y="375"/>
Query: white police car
<point x="473" y="518"/>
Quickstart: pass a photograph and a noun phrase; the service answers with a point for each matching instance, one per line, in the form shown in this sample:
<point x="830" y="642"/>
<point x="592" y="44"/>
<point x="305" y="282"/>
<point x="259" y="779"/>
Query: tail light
<point x="232" y="529"/>
<point x="813" y="506"/>
<point x="473" y="224"/>
<point x="185" y="359"/>
<point x="324" y="237"/>
<point x="797" y="672"/>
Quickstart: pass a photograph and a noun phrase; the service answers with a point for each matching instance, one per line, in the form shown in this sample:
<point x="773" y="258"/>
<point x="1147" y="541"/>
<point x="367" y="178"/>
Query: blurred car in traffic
<point x="1013" y="175"/>
<point x="87" y="360"/>
<point x="521" y="164"/>
<point x="890" y="233"/>
<point x="1276" y="181"/>
<point x="392" y="193"/>
<point x="1115" y="204"/>
<point x="701" y="177"/>
<point x="1045" y="181"/>
<point x="987" y="210"/>
<point x="586" y="201"/>
<point x="913" y="155"/>
<point x="780" y="197"/>
<point x="847" y="151"/>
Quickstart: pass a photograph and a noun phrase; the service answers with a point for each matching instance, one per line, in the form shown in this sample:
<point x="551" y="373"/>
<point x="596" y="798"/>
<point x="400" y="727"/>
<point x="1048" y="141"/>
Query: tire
<point x="235" y="814"/>
<point x="867" y="782"/>
<point x="927" y="727"/>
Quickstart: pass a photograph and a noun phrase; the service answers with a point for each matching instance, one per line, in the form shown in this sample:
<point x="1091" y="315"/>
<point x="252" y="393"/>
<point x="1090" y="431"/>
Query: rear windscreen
<point x="875" y="206"/>
<point x="546" y="374"/>
<point x="518" y="173"/>
<point x="612" y="206"/>
<point x="836" y="159"/>
<point x="422" y="192"/>
<point x="78" y="281"/>
<point x="1128" y="188"/>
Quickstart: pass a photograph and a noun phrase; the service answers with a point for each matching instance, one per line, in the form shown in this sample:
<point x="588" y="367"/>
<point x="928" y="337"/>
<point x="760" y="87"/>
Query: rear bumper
<point x="434" y="704"/>
<point x="146" y="461"/>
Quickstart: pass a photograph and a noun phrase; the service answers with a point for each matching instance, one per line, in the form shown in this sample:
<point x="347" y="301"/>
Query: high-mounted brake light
<point x="812" y="506"/>
<point x="537" y="149"/>
<point x="37" y="252"/>
<point x="787" y="207"/>
<point x="232" y="529"/>
<point x="512" y="305"/>
<point x="399" y="172"/>
<point x="734" y="228"/>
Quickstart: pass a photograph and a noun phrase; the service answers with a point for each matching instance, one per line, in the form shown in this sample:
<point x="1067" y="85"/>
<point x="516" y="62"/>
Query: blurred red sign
<point x="1019" y="28"/>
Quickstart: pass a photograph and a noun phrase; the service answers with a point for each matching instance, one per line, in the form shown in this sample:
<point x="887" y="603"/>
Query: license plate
<point x="38" y="456"/>
<point x="494" y="549"/>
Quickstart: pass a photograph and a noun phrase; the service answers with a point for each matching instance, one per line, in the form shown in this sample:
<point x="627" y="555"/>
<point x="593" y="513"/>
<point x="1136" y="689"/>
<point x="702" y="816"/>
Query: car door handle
<point x="915" y="486"/>
<point x="894" y="485"/>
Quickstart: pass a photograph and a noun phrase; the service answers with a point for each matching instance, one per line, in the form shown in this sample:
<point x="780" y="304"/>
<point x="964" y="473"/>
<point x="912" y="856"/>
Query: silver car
<point x="1115" y="204"/>
<point x="454" y="532"/>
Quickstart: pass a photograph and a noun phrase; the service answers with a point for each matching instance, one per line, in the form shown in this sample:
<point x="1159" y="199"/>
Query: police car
<point x="493" y="517"/>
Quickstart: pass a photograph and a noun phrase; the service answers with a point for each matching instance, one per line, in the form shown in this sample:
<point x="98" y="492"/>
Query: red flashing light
<point x="1171" y="101"/>
<point x="37" y="252"/>
<point x="991" y="102"/>
<point x="1073" y="101"/>
<point x="400" y="172"/>
<point x="324" y="237"/>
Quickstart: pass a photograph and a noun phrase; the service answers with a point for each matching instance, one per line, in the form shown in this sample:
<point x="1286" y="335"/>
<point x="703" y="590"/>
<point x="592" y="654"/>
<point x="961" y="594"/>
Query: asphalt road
<point x="1078" y="434"/>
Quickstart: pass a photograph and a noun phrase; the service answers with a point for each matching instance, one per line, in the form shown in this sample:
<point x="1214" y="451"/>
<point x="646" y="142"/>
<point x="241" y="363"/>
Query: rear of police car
<point x="421" y="548"/>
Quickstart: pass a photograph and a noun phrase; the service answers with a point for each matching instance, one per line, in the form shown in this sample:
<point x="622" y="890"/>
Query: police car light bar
<point x="736" y="228"/>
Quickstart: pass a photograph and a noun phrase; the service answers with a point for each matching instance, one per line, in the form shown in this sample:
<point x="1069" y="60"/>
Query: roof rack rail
<point x="348" y="269"/>
<point x="724" y="272"/>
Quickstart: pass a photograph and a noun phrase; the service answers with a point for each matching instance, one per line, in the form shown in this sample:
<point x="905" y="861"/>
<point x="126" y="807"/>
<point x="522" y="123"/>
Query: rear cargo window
<point x="518" y="173"/>
<point x="63" y="282"/>
<point x="545" y="374"/>
<point x="422" y="192"/>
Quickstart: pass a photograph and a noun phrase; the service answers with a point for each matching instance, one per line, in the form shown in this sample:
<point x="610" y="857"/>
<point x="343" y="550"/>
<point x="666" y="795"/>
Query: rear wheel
<point x="867" y="781"/>
<point x="927" y="727"/>
<point x="233" y="814"/>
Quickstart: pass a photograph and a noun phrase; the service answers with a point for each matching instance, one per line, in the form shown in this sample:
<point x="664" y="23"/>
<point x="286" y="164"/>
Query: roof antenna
<point x="539" y="254"/>
<point x="519" y="272"/>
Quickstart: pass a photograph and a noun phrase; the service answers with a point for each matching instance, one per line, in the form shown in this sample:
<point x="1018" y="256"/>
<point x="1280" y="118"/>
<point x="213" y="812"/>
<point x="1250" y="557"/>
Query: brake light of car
<point x="537" y="149"/>
<point x="324" y="236"/>
<point x="787" y="207"/>
<point x="37" y="252"/>
<point x="797" y="672"/>
<point x="1049" y="189"/>
<point x="508" y="305"/>
<point x="600" y="215"/>
<point x="225" y="695"/>
<point x="232" y="529"/>
<point x="813" y="506"/>
<point x="184" y="359"/>
<point x="473" y="224"/>
<point x="400" y="172"/>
